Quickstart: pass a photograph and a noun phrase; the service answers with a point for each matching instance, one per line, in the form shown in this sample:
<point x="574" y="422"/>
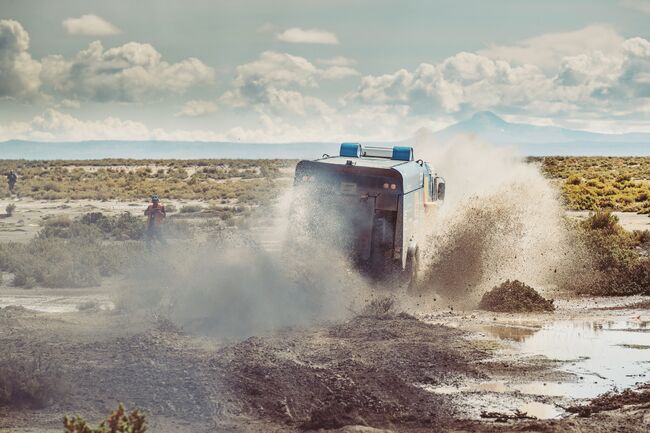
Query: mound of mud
<point x="515" y="297"/>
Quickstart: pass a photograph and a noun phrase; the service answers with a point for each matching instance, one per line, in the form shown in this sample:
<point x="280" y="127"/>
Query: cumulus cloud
<point x="546" y="50"/>
<point x="383" y="122"/>
<point x="197" y="108"/>
<point x="337" y="72"/>
<point x="53" y="125"/>
<point x="296" y="35"/>
<point x="19" y="73"/>
<point x="608" y="82"/>
<point x="276" y="81"/>
<point x="337" y="61"/>
<point x="89" y="25"/>
<point x="128" y="73"/>
<point x="458" y="82"/>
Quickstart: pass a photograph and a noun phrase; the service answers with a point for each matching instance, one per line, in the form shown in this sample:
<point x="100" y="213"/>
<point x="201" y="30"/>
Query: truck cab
<point x="372" y="203"/>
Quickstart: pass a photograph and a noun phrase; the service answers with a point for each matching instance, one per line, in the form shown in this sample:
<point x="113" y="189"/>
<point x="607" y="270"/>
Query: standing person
<point x="155" y="214"/>
<point x="12" y="178"/>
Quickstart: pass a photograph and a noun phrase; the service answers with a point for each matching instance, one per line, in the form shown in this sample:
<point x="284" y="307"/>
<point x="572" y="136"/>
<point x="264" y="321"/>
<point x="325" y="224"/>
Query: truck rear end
<point x="365" y="203"/>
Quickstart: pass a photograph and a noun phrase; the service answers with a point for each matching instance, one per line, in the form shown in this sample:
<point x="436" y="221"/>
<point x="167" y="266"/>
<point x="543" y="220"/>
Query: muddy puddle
<point x="598" y="356"/>
<point x="602" y="355"/>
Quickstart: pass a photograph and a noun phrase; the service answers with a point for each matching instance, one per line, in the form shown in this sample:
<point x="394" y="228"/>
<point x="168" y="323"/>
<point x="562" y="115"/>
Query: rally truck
<point x="373" y="203"/>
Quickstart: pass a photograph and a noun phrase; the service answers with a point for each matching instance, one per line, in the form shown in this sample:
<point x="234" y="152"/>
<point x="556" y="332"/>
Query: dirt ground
<point x="379" y="373"/>
<point x="418" y="370"/>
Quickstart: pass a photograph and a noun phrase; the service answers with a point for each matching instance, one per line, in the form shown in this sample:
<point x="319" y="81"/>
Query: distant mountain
<point x="545" y="140"/>
<point x="486" y="126"/>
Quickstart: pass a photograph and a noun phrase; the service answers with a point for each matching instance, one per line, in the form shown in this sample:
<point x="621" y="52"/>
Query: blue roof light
<point x="402" y="153"/>
<point x="352" y="150"/>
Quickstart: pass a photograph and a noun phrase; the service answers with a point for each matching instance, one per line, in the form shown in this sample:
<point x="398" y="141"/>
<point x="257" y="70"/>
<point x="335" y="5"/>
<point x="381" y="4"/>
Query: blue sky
<point x="270" y="71"/>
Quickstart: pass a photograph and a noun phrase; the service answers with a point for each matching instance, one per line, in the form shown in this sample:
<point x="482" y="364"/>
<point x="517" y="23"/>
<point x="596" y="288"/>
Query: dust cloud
<point x="501" y="220"/>
<point x="243" y="283"/>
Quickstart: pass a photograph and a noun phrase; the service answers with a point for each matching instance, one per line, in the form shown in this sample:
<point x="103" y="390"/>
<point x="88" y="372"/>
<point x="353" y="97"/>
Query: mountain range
<point x="545" y="140"/>
<point x="486" y="126"/>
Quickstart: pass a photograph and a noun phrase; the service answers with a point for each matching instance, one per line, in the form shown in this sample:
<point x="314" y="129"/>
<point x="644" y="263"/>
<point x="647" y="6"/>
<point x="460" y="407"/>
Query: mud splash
<point x="501" y="220"/>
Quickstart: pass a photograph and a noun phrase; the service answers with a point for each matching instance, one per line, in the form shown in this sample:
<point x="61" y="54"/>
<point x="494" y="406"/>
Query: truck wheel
<point x="411" y="270"/>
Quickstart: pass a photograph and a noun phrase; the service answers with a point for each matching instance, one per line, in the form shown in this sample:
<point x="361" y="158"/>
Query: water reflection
<point x="512" y="333"/>
<point x="541" y="410"/>
<point x="603" y="355"/>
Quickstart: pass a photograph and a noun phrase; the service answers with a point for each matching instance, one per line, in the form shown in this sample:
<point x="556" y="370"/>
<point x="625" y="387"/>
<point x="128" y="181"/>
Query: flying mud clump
<point x="515" y="297"/>
<point x="502" y="219"/>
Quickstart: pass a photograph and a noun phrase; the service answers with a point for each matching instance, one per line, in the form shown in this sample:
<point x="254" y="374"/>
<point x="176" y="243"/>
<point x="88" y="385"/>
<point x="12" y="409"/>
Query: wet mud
<point x="514" y="297"/>
<point x="394" y="372"/>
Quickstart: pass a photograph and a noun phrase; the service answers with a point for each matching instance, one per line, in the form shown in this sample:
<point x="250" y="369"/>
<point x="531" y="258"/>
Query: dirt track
<point x="367" y="371"/>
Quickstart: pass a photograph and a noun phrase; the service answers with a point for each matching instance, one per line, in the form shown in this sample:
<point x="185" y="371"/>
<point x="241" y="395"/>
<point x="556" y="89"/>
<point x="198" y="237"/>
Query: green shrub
<point x="95" y="225"/>
<point x="31" y="381"/>
<point x="66" y="262"/>
<point x="616" y="267"/>
<point x="134" y="179"/>
<point x="574" y="180"/>
<point x="591" y="183"/>
<point x="191" y="208"/>
<point x="10" y="209"/>
<point x="603" y="220"/>
<point x="119" y="421"/>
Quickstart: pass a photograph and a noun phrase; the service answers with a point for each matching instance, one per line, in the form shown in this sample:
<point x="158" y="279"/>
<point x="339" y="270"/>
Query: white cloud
<point x="89" y="25"/>
<point x="337" y="72"/>
<point x="639" y="5"/>
<point x="197" y="108"/>
<point x="57" y="126"/>
<point x="276" y="80"/>
<point x="337" y="61"/>
<point x="293" y="102"/>
<point x="273" y="68"/>
<point x="70" y="103"/>
<point x="369" y="123"/>
<point x="19" y="73"/>
<point x="463" y="80"/>
<point x="128" y="73"/>
<point x="296" y="35"/>
<point x="546" y="50"/>
<point x="53" y="125"/>
<point x="610" y="83"/>
<point x="384" y="122"/>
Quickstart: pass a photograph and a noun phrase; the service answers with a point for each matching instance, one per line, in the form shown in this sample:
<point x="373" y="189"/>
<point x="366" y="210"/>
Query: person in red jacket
<point x="156" y="215"/>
